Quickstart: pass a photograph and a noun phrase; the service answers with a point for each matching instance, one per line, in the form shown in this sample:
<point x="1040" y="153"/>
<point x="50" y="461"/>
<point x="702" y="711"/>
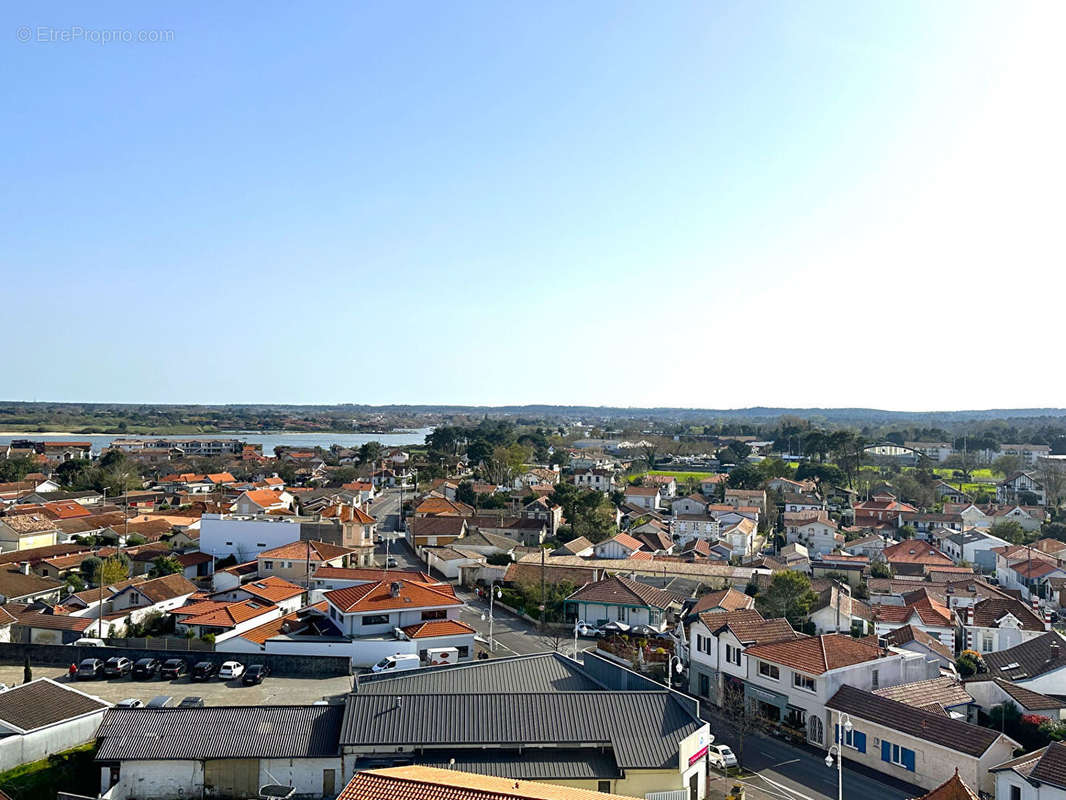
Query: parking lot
<point x="272" y="691"/>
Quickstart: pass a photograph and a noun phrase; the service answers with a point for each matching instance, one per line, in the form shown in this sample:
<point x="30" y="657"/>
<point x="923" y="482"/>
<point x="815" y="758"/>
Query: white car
<point x="129" y="702"/>
<point x="587" y="630"/>
<point x="231" y="669"/>
<point x="719" y="755"/>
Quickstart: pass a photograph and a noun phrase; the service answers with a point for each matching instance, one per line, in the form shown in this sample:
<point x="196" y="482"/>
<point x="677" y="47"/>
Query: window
<point x="900" y="756"/>
<point x="605" y="787"/>
<point x="440" y="613"/>
<point x="705" y="685"/>
<point x="1016" y="793"/>
<point x="986" y="643"/>
<point x="803" y="682"/>
<point x="464" y="651"/>
<point x="770" y="671"/>
<point x="260" y="544"/>
<point x="732" y="654"/>
<point x="375" y="619"/>
<point x="268" y="566"/>
<point x="875" y="679"/>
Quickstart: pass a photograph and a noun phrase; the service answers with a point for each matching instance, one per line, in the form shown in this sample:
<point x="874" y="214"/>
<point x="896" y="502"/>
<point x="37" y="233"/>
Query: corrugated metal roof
<point x="543" y="672"/>
<point x="219" y="732"/>
<point x="642" y="728"/>
<point x="529" y="765"/>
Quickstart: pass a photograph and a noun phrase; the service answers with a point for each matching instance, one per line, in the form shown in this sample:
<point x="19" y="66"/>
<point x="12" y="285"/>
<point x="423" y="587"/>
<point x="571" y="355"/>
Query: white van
<point x="436" y="656"/>
<point x="397" y="663"/>
<point x="91" y="642"/>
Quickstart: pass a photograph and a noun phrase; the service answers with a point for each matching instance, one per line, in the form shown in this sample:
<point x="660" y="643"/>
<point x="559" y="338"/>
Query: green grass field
<point x="681" y="476"/>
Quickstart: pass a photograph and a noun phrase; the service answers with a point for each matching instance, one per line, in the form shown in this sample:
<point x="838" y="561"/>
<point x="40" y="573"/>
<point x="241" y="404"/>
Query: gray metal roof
<point x="529" y="765"/>
<point x="642" y="728"/>
<point x="541" y="672"/>
<point x="219" y="732"/>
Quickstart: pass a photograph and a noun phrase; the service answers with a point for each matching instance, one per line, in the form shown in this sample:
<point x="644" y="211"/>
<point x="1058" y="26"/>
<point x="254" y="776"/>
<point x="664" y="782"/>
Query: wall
<point x="64" y="655"/>
<point x="33" y="746"/>
<point x="156" y="779"/>
<point x="246" y="535"/>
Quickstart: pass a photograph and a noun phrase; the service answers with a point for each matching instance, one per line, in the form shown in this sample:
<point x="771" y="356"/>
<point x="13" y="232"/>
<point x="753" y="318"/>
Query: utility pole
<point x="543" y="599"/>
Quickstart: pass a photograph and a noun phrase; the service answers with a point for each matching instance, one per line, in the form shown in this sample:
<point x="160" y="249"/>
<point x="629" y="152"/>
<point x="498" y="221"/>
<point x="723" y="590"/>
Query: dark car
<point x="118" y="667"/>
<point x="204" y="671"/>
<point x="255" y="674"/>
<point x="162" y="701"/>
<point x="191" y="702"/>
<point x="173" y="668"/>
<point x="146" y="668"/>
<point x="90" y="669"/>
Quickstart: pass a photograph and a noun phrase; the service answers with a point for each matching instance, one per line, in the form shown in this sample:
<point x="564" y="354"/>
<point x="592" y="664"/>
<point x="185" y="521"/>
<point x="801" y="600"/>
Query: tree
<point x="1054" y="530"/>
<point x="745" y="476"/>
<point x="734" y="453"/>
<point x="907" y="532"/>
<point x="74" y="583"/>
<point x="498" y="559"/>
<point x="879" y="569"/>
<point x="90" y="566"/>
<point x="164" y="565"/>
<point x="1009" y="530"/>
<point x="823" y="473"/>
<point x="789" y="595"/>
<point x="112" y="570"/>
<point x="1007" y="465"/>
<point x="734" y="708"/>
<point x="969" y="663"/>
<point x="465" y="493"/>
<point x="1052" y="476"/>
<point x="369" y="452"/>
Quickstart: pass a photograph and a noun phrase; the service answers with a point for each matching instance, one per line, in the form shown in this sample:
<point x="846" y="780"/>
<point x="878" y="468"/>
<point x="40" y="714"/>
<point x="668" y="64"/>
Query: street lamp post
<point x="494" y="592"/>
<point x="843" y="725"/>
<point x="677" y="669"/>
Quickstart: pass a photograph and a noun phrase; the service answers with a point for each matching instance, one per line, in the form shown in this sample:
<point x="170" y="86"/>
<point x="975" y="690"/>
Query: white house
<point x="1038" y="664"/>
<point x="602" y="480"/>
<point x="43" y="717"/>
<point x="156" y="595"/>
<point x="1013" y="488"/>
<point x="221" y="619"/>
<point x="643" y="496"/>
<point x="999" y="623"/>
<point x="621" y="545"/>
<point x="1039" y="775"/>
<point x="819" y="534"/>
<point x="622" y="600"/>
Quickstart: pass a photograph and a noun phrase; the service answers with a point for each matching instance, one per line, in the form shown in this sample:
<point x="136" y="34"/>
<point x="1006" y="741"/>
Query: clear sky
<point x="711" y="204"/>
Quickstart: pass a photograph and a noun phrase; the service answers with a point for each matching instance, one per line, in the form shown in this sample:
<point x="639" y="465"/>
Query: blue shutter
<point x="836" y="734"/>
<point x="908" y="758"/>
<point x="886" y="751"/>
<point x="859" y="740"/>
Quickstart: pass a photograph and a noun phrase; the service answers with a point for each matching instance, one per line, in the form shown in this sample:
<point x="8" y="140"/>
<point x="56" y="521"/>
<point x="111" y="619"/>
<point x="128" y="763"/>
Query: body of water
<point x="268" y="440"/>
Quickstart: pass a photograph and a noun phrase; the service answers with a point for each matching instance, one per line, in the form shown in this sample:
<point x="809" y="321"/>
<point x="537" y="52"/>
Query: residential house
<point x="815" y="531"/>
<point x="667" y="485"/>
<point x="1031" y="518"/>
<point x="196" y="564"/>
<point x="525" y="531"/>
<point x="791" y="681"/>
<point x="1021" y="487"/>
<point x="924" y="523"/>
<point x="920" y="610"/>
<point x="914" y="557"/>
<point x="943" y="694"/>
<point x="745" y="497"/>
<point x="442" y="507"/>
<point x="836" y="611"/>
<point x="871" y="546"/>
<point x="543" y="510"/>
<point x="26" y="531"/>
<point x="974" y="546"/>
<point x="785" y="486"/>
<point x="1032" y="572"/>
<point x="43" y="717"/>
<point x="949" y="494"/>
<point x="913" y="638"/>
<point x="739" y="537"/>
<point x="937" y="452"/>
<point x="686" y="527"/>
<point x="989" y="692"/>
<point x="263" y="501"/>
<point x="18" y="584"/>
<point x="711" y="485"/>
<point x="647" y="497"/>
<point x="299" y="561"/>
<point x="691" y="504"/>
<point x="915" y="745"/>
<point x="222" y="619"/>
<point x="999" y="623"/>
<point x="802" y="503"/>
<point x="268" y="591"/>
<point x="722" y="600"/>
<point x="622" y="600"/>
<point x="882" y="508"/>
<point x="580" y="547"/>
<point x="796" y="557"/>
<point x="1039" y="775"/>
<point x="435" y="531"/>
<point x="602" y="480"/>
<point x="487" y="543"/>
<point x="1038" y="664"/>
<point x="717" y="640"/>
<point x="621" y="545"/>
<point x="852" y="567"/>
<point x="158" y="595"/>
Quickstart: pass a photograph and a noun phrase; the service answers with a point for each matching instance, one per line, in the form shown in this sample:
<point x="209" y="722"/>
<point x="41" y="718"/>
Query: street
<point x="513" y="635"/>
<point x="386" y="509"/>
<point x="790" y="772"/>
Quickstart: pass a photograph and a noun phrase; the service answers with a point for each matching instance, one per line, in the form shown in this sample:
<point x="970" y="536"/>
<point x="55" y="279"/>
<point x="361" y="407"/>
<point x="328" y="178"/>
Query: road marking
<point x="784" y="788"/>
<point x="783" y="763"/>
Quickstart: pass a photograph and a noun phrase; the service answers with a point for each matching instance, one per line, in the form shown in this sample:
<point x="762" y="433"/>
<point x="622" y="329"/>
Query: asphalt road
<point x="790" y="772"/>
<point x="512" y="634"/>
<point x="386" y="510"/>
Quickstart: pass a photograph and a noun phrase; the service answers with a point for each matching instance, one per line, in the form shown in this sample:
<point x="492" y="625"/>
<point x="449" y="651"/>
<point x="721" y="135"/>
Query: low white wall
<point x="33" y="746"/>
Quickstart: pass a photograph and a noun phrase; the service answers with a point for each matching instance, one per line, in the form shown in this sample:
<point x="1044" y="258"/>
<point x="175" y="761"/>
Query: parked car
<point x="129" y="702"/>
<point x="161" y="701"/>
<point x="173" y="668"/>
<point x="230" y="670"/>
<point x="146" y="668"/>
<point x="255" y="674"/>
<point x="191" y="702"/>
<point x="719" y="755"/>
<point x="118" y="667"/>
<point x="391" y="562"/>
<point x="90" y="669"/>
<point x="204" y="671"/>
<point x="587" y="630"/>
<point x="90" y="642"/>
<point x="613" y="627"/>
<point x="644" y="630"/>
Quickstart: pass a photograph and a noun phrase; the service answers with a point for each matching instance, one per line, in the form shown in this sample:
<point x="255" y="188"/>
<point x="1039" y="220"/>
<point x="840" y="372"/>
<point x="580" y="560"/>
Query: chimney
<point x="1047" y="620"/>
<point x="24" y="567"/>
<point x="394" y="588"/>
<point x="969" y="615"/>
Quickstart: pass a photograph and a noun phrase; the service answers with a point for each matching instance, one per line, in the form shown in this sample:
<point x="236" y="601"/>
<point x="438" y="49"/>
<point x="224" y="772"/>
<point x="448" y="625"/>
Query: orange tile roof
<point x="320" y="551"/>
<point x="370" y="574"/>
<point x="440" y="627"/>
<point x="915" y="551"/>
<point x="432" y="783"/>
<point x="627" y="541"/>
<point x="272" y="589"/>
<point x="817" y="654"/>
<point x="221" y="477"/>
<point x="265" y="498"/>
<point x="346" y="513"/>
<point x="66" y="509"/>
<point x="378" y="596"/>
<point x="227" y="615"/>
<point x="274" y="627"/>
<point x="441" y="506"/>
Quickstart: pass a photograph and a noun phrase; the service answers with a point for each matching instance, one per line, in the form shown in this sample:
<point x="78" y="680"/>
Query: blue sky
<point x="686" y="204"/>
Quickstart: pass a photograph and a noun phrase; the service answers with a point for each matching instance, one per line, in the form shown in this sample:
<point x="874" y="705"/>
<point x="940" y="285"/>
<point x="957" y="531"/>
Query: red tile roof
<point x="817" y="654"/>
<point x="378" y="596"/>
<point x="440" y="627"/>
